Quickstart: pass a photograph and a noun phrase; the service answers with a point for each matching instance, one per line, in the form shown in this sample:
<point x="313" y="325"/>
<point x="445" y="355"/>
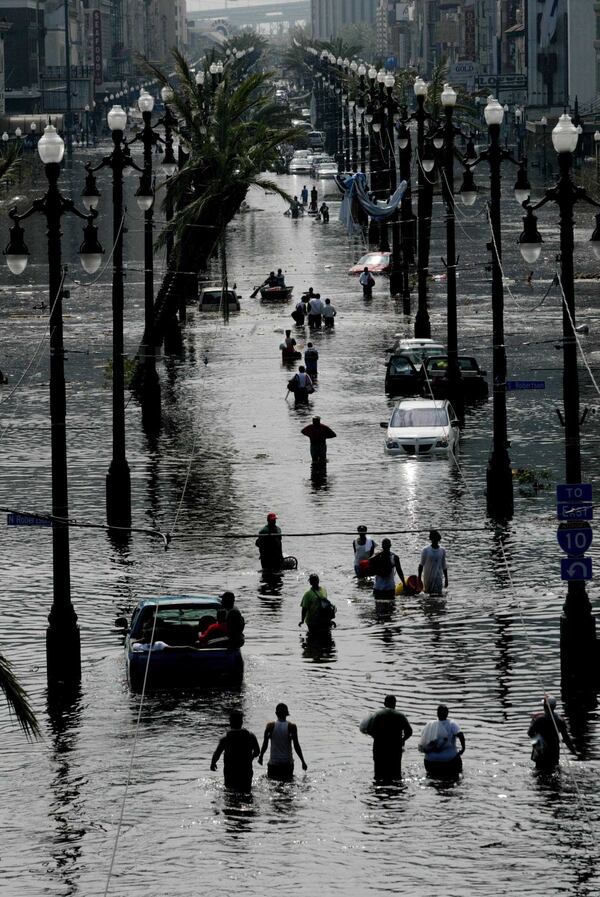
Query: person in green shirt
<point x="317" y="610"/>
<point x="269" y="545"/>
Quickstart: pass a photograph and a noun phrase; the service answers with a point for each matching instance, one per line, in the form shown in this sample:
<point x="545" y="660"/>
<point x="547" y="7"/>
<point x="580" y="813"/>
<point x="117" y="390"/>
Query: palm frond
<point x="17" y="700"/>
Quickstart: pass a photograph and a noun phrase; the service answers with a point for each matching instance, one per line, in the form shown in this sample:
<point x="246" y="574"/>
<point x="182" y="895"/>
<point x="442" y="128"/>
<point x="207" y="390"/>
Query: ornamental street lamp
<point x="424" y="209"/>
<point x="118" y="481"/>
<point x="149" y="382"/>
<point x="407" y="218"/>
<point x="499" y="473"/>
<point x="578" y="626"/>
<point x="63" y="650"/>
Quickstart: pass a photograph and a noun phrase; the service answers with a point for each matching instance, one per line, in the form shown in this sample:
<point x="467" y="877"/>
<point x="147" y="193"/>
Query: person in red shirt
<point x="216" y="630"/>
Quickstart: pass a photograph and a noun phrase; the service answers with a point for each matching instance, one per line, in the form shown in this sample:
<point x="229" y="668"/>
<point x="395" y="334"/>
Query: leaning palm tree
<point x="232" y="132"/>
<point x="16" y="697"/>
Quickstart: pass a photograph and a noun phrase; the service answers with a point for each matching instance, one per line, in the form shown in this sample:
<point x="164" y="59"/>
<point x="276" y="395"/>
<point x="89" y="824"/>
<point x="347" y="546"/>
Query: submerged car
<point x="417" y="349"/>
<point x="162" y="641"/>
<point x="401" y="376"/>
<point x="473" y="378"/>
<point x="326" y="170"/>
<point x="211" y="299"/>
<point x="376" y="262"/>
<point x="422" y="427"/>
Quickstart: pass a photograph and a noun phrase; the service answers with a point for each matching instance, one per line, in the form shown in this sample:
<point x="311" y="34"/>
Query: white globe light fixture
<point x="420" y="87"/>
<point x="166" y="94"/>
<point x="51" y="146"/>
<point x="381" y="76"/>
<point x="200" y="78"/>
<point x="493" y="112"/>
<point x="361" y="70"/>
<point x="146" y="102"/>
<point x="564" y="135"/>
<point x="389" y="80"/>
<point x="117" y="118"/>
<point x="18" y="133"/>
<point x="448" y="96"/>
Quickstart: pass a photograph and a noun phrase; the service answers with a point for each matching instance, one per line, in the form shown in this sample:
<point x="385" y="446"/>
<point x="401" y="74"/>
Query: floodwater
<point x="118" y="801"/>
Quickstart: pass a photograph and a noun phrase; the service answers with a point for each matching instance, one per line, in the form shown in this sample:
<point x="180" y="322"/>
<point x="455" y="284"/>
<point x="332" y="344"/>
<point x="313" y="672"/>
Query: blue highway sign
<point x="26" y="520"/>
<point x="511" y="385"/>
<point x="575" y="492"/>
<point x="571" y="511"/>
<point x="575" y="541"/>
<point x="576" y="568"/>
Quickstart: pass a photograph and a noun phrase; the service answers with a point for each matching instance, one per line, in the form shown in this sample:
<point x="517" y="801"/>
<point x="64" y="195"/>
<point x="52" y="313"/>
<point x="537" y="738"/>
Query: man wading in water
<point x="282" y="736"/>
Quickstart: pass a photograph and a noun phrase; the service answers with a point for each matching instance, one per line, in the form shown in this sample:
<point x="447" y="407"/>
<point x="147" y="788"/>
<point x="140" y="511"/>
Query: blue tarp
<point x="354" y="188"/>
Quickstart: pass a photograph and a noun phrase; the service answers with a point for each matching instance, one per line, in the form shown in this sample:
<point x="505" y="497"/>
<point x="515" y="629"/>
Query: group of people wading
<point x="441" y="742"/>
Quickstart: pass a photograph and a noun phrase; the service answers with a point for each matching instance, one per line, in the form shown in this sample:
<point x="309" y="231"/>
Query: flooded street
<point x="231" y="451"/>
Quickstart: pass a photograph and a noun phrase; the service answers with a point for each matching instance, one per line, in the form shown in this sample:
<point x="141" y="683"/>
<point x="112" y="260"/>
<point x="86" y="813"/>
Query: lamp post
<point x="578" y="627"/>
<point x="424" y="208"/>
<point x="499" y="473"/>
<point x="544" y="124"/>
<point x="407" y="218"/>
<point x="455" y="392"/>
<point x="396" y="259"/>
<point x="63" y="651"/>
<point x="597" y="152"/>
<point x="149" y="383"/>
<point x="118" y="481"/>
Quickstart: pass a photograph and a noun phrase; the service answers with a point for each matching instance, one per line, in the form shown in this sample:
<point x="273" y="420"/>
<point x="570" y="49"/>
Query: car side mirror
<point x="383" y="424"/>
<point x="455" y="423"/>
<point x="483" y="373"/>
<point x="122" y="623"/>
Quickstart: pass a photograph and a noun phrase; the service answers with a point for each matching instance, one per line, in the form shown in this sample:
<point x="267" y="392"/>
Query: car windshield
<point x="419" y="417"/>
<point x="373" y="258"/>
<point x="400" y="364"/>
<point x="171" y="616"/>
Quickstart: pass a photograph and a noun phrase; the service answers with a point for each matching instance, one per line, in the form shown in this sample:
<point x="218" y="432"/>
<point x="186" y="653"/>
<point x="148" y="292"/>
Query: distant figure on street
<point x="301" y="386"/>
<point x="309" y="294"/>
<point x="269" y="545"/>
<point x="295" y="208"/>
<point x="529" y="278"/>
<point x="311" y="361"/>
<point x="315" y="310"/>
<point x="329" y="314"/>
<point x="385" y="564"/>
<point x="304" y="195"/>
<point x="279" y="278"/>
<point x="433" y="565"/>
<point x="545" y="729"/>
<point x="299" y="313"/>
<point x="240" y="747"/>
<point x="367" y="282"/>
<point x="271" y="280"/>
<point x="318" y="434"/>
<point x="282" y="735"/>
<point x="314" y="199"/>
<point x="317" y="610"/>
<point x="364" y="548"/>
<point x="235" y="620"/>
<point x="438" y="742"/>
<point x="389" y="730"/>
<point x="324" y="210"/>
<point x="288" y="347"/>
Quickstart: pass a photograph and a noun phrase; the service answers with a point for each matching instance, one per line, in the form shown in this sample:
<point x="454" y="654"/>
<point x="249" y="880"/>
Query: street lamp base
<point x="422" y="324"/>
<point x="63" y="653"/>
<point x="150" y="399"/>
<point x="500" y="505"/>
<point x="118" y="495"/>
<point x="396" y="282"/>
<point x="579" y="656"/>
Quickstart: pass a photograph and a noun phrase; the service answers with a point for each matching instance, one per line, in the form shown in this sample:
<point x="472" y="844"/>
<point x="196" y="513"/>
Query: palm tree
<point x="16" y="697"/>
<point x="232" y="132"/>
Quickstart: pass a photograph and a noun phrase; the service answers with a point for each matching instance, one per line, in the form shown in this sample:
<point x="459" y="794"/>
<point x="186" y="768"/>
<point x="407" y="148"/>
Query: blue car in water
<point x="163" y="640"/>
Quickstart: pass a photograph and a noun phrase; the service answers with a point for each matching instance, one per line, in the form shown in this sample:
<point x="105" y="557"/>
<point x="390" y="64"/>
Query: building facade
<point x="328" y="17"/>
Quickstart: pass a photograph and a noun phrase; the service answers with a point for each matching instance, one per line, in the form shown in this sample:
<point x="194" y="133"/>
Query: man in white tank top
<point x="282" y="736"/>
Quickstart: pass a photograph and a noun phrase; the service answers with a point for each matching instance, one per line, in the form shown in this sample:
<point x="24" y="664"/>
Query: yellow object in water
<point x="399" y="588"/>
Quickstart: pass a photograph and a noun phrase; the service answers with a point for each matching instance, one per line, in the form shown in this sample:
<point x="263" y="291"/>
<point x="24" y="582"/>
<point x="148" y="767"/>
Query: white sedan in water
<point x="422" y="427"/>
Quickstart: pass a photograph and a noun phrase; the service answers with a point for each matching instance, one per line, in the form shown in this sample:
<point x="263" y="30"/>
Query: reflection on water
<point x="231" y="450"/>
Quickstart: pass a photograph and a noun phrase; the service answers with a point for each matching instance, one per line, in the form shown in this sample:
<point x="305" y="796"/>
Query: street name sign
<point x="576" y="568"/>
<point x="512" y="385"/>
<point x="26" y="520"/>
